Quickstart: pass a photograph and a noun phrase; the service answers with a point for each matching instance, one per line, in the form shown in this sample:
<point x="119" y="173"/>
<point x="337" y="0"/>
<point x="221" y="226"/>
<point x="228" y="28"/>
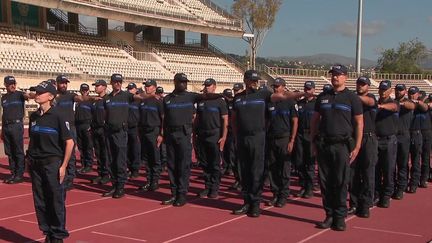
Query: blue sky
<point x="307" y="27"/>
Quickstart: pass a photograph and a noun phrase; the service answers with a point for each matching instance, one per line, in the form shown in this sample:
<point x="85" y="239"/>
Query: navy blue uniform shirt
<point x="179" y="108"/>
<point x="66" y="103"/>
<point x="280" y="115"/>
<point x="209" y="113"/>
<point x="369" y="115"/>
<point x="387" y="121"/>
<point x="151" y="112"/>
<point x="117" y="109"/>
<point x="405" y="117"/>
<point x="306" y="109"/>
<point x="13" y="106"/>
<point x="98" y="112"/>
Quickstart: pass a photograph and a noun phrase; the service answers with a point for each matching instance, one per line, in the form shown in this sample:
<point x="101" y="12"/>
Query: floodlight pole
<point x="359" y="37"/>
<point x="248" y="37"/>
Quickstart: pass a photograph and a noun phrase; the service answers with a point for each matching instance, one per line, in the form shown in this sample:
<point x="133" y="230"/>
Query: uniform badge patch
<point x="67" y="125"/>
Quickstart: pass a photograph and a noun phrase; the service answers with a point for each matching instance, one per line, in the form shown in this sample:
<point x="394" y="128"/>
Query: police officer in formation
<point x="281" y="134"/>
<point x="133" y="145"/>
<point x="305" y="160"/>
<point x="12" y="132"/>
<point x="336" y="131"/>
<point x="363" y="167"/>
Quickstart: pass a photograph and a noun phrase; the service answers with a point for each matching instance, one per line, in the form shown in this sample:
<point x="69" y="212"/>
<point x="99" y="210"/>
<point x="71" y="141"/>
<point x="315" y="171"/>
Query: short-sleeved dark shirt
<point x="83" y="112"/>
<point x="250" y="107"/>
<point x="209" y="113"/>
<point x="134" y="114"/>
<point x="369" y="115"/>
<point x="66" y="103"/>
<point x="117" y="108"/>
<point x="387" y="121"/>
<point x="306" y="109"/>
<point x="179" y="108"/>
<point x="48" y="133"/>
<point x="405" y="117"/>
<point x="13" y="106"/>
<point x="421" y="120"/>
<point x="337" y="110"/>
<point x="98" y="112"/>
<point x="280" y="115"/>
<point x="151" y="113"/>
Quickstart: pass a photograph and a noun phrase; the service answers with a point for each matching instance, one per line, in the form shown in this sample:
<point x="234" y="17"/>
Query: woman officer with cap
<point x="49" y="151"/>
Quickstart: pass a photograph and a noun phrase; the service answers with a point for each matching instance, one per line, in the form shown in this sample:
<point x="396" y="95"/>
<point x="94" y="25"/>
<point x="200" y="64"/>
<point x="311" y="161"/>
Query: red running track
<point x="139" y="217"/>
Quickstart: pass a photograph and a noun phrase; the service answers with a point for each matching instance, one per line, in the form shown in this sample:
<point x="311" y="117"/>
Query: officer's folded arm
<point x="288" y="95"/>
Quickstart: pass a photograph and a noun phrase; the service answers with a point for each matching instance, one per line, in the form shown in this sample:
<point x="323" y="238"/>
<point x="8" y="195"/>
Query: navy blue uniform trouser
<point x="210" y="158"/>
<point x="385" y="168"/>
<point x="85" y="144"/>
<point x="14" y="147"/>
<point x="334" y="175"/>
<point x="279" y="166"/>
<point x="179" y="153"/>
<point x="251" y="152"/>
<point x="229" y="156"/>
<point x="101" y="151"/>
<point x="133" y="149"/>
<point x="425" y="164"/>
<point x="71" y="167"/>
<point x="151" y="152"/>
<point x="416" y="144"/>
<point x="402" y="158"/>
<point x="362" y="186"/>
<point x="305" y="162"/>
<point x="49" y="197"/>
<point x="117" y="148"/>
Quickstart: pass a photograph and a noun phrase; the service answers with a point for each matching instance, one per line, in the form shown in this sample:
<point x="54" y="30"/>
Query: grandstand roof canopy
<point x="97" y="9"/>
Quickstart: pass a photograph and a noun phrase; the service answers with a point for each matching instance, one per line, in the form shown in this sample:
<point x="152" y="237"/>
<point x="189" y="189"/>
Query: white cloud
<point x="349" y="29"/>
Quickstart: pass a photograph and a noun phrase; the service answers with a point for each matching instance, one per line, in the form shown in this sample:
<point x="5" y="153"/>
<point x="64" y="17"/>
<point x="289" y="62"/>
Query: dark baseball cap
<point x="238" y="86"/>
<point x="385" y="85"/>
<point x="100" y="82"/>
<point x="422" y="94"/>
<point x="309" y="85"/>
<point x="53" y="81"/>
<point x="227" y="93"/>
<point x="400" y="87"/>
<point x="8" y="80"/>
<point x="327" y="87"/>
<point x="62" y="79"/>
<point x="159" y="90"/>
<point x="209" y="82"/>
<point x="44" y="87"/>
<point x="116" y="77"/>
<point x="279" y="82"/>
<point x="339" y="69"/>
<point x="131" y="86"/>
<point x="364" y="80"/>
<point x="251" y="75"/>
<point x="84" y="87"/>
<point x="181" y="77"/>
<point x="150" y="82"/>
<point x="413" y="90"/>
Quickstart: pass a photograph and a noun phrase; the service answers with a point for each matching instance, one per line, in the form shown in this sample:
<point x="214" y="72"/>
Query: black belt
<point x="7" y="122"/>
<point x="335" y="140"/>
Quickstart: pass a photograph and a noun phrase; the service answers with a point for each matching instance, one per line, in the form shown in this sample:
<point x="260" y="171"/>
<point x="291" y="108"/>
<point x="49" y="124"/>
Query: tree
<point x="405" y="59"/>
<point x="258" y="17"/>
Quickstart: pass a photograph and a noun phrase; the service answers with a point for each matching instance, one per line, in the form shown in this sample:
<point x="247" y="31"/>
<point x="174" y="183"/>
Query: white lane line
<point x="70" y="205"/>
<point x="321" y="232"/>
<point x="27" y="221"/>
<point x="118" y="236"/>
<point x="215" y="225"/>
<point x="387" y="231"/>
<point x="209" y="208"/>
<point x="21" y="195"/>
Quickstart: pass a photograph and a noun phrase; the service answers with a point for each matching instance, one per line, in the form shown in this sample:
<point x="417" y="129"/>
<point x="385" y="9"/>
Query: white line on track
<point x="387" y="231"/>
<point x="27" y="221"/>
<point x="10" y="197"/>
<point x="321" y="232"/>
<point x="118" y="236"/>
<point x="209" y="208"/>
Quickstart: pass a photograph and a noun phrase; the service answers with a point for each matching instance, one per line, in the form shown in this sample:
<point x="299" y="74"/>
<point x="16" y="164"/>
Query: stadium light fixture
<point x="248" y="37"/>
<point x="359" y="37"/>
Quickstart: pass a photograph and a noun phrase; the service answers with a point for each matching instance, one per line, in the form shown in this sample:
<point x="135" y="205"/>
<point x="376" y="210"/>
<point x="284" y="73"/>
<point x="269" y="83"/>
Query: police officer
<point x="116" y="125"/>
<point x="419" y="121"/>
<point x="403" y="139"/>
<point x="50" y="148"/>
<point x="13" y="103"/>
<point x="151" y="133"/>
<point x="98" y="133"/>
<point x="211" y="126"/>
<point x="134" y="145"/>
<point x="83" y="118"/>
<point x="281" y="134"/>
<point x="339" y="117"/>
<point x="179" y="112"/>
<point x="249" y="121"/>
<point x="163" y="152"/>
<point x="65" y="100"/>
<point x="362" y="186"/>
<point x="327" y="88"/>
<point x="386" y="130"/>
<point x="426" y="130"/>
<point x="237" y="88"/>
<point x="305" y="161"/>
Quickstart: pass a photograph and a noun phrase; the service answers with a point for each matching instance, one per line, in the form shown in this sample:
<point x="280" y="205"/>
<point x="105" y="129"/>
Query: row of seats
<point x="203" y="11"/>
<point x="29" y="61"/>
<point x="202" y="72"/>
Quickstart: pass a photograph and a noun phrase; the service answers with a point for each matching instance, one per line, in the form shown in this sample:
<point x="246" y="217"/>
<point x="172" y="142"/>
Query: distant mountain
<point x="326" y="59"/>
<point x="427" y="63"/>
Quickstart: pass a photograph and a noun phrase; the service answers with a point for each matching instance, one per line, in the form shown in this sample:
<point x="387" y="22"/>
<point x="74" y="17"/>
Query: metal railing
<point x="64" y="17"/>
<point x="227" y="57"/>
